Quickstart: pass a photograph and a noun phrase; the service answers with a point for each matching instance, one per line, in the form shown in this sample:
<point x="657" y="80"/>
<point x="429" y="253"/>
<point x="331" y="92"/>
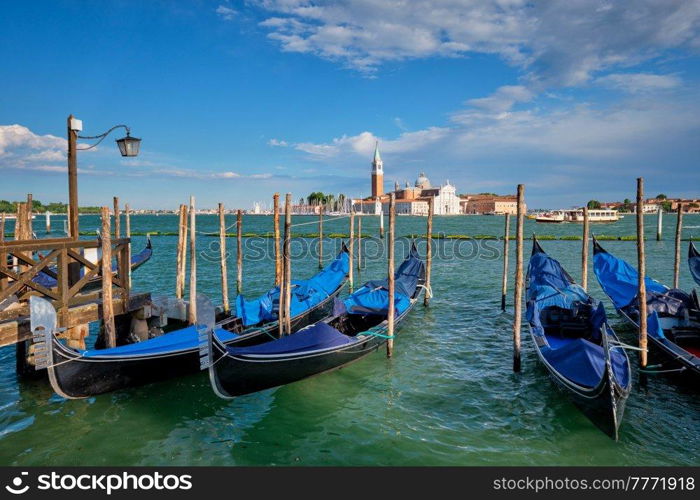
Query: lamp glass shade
<point x="129" y="146"/>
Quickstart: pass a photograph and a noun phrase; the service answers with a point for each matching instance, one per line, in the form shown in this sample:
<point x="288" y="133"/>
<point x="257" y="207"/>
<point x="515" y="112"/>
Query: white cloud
<point x="363" y="143"/>
<point x="555" y="43"/>
<point x="19" y="137"/>
<point x="277" y="143"/>
<point x="226" y="13"/>
<point x="637" y="83"/>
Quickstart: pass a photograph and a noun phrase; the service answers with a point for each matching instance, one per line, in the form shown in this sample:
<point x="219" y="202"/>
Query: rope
<point x="380" y="335"/>
<point x="654" y="372"/>
<point x="208" y="233"/>
<point x="428" y="290"/>
<point x="626" y="346"/>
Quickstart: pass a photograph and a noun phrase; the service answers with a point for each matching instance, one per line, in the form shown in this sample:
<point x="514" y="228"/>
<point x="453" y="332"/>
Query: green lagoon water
<point x="448" y="397"/>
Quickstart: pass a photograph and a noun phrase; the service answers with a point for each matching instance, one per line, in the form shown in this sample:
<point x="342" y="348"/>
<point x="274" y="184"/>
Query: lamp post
<point x="128" y="146"/>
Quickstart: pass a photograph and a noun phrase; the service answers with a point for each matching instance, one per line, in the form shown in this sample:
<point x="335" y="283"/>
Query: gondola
<point x="673" y="323"/>
<point x="49" y="278"/>
<point x="77" y="373"/>
<point x="356" y="327"/>
<point x="576" y="344"/>
<point x="694" y="263"/>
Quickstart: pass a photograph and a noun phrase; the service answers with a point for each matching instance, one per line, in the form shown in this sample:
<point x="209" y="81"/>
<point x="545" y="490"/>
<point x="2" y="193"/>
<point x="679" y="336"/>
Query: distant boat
<point x="14" y="217"/>
<point x="561" y="216"/>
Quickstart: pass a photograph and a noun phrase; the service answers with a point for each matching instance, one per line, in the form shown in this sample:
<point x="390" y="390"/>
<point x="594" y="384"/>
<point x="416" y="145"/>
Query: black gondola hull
<point x="73" y="376"/>
<point x="233" y="376"/>
<point x="603" y="405"/>
<point x="674" y="360"/>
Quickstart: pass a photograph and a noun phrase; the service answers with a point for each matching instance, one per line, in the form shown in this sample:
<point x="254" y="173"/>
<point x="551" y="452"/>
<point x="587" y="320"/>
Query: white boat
<point x="594" y="215"/>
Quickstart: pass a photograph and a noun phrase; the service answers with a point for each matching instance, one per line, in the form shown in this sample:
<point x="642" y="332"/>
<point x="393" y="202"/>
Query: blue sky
<point x="236" y="100"/>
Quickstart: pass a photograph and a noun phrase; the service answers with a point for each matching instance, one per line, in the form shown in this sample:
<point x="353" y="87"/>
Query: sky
<point x="235" y="100"/>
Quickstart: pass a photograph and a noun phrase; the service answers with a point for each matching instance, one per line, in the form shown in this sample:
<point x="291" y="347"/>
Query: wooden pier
<point x="76" y="295"/>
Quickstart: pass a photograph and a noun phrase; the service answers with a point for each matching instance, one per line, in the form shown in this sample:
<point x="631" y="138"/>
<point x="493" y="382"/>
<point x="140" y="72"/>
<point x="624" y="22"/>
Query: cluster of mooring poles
<point x="282" y="257"/>
<point x="641" y="266"/>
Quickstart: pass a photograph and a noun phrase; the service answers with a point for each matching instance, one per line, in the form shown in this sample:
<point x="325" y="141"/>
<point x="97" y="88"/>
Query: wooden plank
<point x="17" y="330"/>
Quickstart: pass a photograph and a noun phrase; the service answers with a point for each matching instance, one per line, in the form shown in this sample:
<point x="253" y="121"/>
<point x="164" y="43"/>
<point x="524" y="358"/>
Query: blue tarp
<point x="46" y="280"/>
<point x="580" y="360"/>
<point x="311" y="338"/>
<point x="305" y="294"/>
<point x="406" y="277"/>
<point x="178" y="340"/>
<point x="583" y="362"/>
<point x="619" y="280"/>
<point x="368" y="300"/>
<point x="373" y="297"/>
<point x="694" y="263"/>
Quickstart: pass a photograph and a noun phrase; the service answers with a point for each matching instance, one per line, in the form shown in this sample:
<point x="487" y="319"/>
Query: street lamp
<point x="128" y="146"/>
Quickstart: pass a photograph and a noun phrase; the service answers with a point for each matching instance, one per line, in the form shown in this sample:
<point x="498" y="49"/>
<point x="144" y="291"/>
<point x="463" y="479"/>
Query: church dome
<point x="422" y="182"/>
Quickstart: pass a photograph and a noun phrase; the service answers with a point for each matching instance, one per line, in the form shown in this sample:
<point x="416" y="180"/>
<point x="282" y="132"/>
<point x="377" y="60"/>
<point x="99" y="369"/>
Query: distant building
<point x="488" y="204"/>
<point x="377" y="173"/>
<point x="411" y="200"/>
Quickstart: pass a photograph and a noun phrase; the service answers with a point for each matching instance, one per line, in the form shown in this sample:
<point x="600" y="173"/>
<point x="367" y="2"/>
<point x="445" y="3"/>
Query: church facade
<point x="410" y="200"/>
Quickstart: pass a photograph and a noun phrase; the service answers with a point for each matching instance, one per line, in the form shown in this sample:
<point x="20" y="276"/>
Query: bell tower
<point x="377" y="173"/>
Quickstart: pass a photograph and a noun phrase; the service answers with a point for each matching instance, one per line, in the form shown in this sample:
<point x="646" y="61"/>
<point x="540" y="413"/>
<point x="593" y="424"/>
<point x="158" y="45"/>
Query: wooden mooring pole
<point x="222" y="254"/>
<point x="320" y="237"/>
<point x="641" y="266"/>
<point x="117" y="217"/>
<point x="677" y="259"/>
<point x="390" y="276"/>
<point x="110" y="332"/>
<point x="30" y="208"/>
<point x="276" y="222"/>
<point x="518" y="295"/>
<point x="584" y="249"/>
<point x="192" y="311"/>
<point x="350" y="247"/>
<point x="239" y="251"/>
<point x="286" y="288"/>
<point x="504" y="279"/>
<point x="659" y="223"/>
<point x="359" y="243"/>
<point x="181" y="253"/>
<point x="429" y="251"/>
<point x="48" y="221"/>
<point x="381" y="223"/>
<point x="127" y="216"/>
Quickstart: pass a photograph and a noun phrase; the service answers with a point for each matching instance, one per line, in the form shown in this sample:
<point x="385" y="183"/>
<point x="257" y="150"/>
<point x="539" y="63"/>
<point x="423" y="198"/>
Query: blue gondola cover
<point x="620" y="280"/>
<point x="305" y="294"/>
<point x="311" y="338"/>
<point x="579" y="359"/>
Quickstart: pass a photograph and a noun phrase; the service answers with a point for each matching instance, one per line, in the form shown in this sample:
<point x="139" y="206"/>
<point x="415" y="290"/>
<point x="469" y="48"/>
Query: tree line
<point x="38" y="207"/>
